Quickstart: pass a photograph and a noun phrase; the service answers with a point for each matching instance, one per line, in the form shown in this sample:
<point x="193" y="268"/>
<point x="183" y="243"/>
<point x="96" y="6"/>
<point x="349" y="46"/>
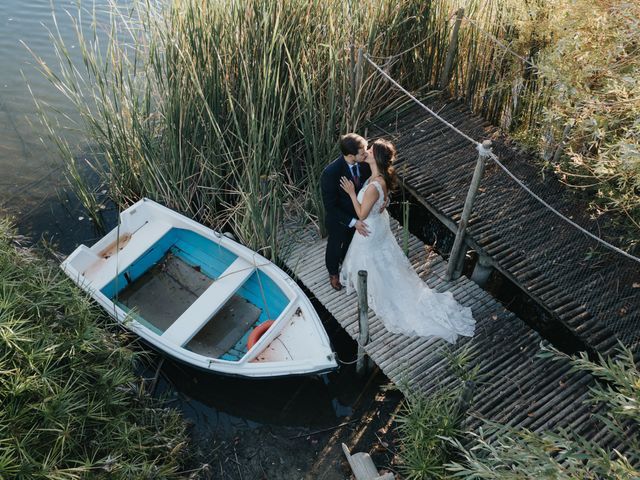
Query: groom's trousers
<point x="338" y="240"/>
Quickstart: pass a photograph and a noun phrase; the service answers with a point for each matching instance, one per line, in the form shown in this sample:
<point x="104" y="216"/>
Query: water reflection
<point x="224" y="403"/>
<point x="32" y="174"/>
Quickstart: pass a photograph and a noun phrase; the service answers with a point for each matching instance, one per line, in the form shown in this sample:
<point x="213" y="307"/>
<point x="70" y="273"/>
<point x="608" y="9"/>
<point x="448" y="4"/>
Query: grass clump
<point x="71" y="405"/>
<point x="424" y="423"/>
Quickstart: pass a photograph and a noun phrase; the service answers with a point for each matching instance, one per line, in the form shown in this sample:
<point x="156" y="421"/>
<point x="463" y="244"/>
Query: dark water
<point x="34" y="191"/>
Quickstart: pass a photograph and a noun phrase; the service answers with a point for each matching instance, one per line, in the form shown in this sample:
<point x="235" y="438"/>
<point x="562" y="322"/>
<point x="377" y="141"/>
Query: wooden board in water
<point x="163" y="293"/>
<point x="226" y="328"/>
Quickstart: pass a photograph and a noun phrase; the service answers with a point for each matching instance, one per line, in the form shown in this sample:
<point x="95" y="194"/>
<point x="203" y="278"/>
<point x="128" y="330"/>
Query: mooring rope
<point x="494" y="157"/>
<point x="406" y="92"/>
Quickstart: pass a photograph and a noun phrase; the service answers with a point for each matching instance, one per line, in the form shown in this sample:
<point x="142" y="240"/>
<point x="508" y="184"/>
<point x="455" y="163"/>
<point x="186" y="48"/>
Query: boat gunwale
<point x="243" y="366"/>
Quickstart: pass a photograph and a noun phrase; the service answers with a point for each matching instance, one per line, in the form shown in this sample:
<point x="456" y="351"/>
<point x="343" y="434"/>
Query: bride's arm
<point x="370" y="197"/>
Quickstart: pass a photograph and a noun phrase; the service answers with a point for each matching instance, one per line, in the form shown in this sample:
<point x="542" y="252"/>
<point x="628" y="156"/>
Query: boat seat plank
<point x="142" y="240"/>
<point x="209" y="303"/>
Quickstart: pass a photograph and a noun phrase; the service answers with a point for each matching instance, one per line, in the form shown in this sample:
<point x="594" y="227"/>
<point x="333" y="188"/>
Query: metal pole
<point x="363" y="321"/>
<point x="454" y="269"/>
<point x="445" y="77"/>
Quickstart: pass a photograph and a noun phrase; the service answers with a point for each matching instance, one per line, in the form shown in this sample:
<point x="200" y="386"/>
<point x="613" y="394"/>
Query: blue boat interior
<point x="164" y="281"/>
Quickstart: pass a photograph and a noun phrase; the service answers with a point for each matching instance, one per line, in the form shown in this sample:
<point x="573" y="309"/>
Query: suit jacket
<point x="338" y="207"/>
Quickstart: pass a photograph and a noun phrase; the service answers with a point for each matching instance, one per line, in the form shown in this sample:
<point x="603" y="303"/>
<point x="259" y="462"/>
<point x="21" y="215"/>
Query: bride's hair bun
<point x="384" y="153"/>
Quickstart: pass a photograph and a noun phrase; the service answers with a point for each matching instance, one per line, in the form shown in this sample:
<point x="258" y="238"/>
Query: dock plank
<point x="515" y="385"/>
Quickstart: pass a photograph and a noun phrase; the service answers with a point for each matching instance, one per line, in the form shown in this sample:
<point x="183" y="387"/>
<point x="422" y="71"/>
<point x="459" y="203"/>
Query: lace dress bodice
<point x="400" y="298"/>
<point x="375" y="210"/>
<point x="376" y="220"/>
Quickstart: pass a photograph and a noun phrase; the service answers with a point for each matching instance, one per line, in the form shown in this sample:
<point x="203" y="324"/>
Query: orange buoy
<point x="257" y="333"/>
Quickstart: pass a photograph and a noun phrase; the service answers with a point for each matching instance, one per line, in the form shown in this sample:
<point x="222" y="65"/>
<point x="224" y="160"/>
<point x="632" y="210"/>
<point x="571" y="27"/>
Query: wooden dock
<point x="591" y="290"/>
<point x="515" y="386"/>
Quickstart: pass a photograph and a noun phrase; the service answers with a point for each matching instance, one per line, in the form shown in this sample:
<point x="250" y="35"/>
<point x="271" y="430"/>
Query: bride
<point x="403" y="302"/>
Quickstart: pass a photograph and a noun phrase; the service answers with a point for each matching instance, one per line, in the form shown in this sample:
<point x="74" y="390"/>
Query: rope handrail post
<point x="363" y="322"/>
<point x="454" y="268"/>
<point x="445" y="76"/>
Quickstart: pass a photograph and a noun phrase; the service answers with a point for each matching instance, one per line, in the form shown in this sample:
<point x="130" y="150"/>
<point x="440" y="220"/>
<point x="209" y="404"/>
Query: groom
<point x="341" y="220"/>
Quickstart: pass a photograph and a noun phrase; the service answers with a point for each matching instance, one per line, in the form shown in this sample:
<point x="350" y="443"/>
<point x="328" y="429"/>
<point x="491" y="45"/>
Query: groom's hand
<point x="362" y="228"/>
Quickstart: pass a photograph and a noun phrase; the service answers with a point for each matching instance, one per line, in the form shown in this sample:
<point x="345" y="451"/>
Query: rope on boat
<point x="264" y="298"/>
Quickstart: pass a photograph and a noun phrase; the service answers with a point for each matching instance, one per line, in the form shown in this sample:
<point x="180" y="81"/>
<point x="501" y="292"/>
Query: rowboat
<point x="200" y="297"/>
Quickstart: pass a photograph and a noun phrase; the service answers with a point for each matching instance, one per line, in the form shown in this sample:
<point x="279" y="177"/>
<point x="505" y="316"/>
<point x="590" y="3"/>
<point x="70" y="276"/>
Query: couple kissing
<point x="355" y="192"/>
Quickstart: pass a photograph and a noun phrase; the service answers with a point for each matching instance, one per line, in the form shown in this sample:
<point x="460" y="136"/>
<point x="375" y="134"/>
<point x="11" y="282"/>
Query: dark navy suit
<point x="338" y="210"/>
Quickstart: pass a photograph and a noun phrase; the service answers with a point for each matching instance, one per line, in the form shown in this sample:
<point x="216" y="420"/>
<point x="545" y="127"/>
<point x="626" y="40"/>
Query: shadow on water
<point x="61" y="222"/>
<point x="215" y="402"/>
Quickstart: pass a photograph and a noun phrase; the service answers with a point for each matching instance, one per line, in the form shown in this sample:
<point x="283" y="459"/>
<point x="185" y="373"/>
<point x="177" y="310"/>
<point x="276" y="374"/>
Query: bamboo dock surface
<point x="515" y="386"/>
<point x="591" y="290"/>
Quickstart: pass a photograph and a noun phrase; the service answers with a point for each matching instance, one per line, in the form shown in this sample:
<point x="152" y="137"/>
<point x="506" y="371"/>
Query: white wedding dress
<point x="395" y="292"/>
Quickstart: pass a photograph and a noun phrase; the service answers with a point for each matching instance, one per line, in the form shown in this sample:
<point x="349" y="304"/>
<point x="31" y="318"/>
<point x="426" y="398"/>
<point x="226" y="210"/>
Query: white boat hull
<point x="233" y="277"/>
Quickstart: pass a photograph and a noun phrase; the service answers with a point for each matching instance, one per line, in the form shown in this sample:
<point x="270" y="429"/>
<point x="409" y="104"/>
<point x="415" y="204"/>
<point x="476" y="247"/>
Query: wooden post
<point x="445" y="76"/>
<point x="454" y="269"/>
<point x="363" y="321"/>
<point x="358" y="76"/>
<point x="405" y="227"/>
<point x="359" y="71"/>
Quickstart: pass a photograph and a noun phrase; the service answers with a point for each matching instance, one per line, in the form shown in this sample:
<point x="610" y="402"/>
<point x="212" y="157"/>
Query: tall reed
<point x="228" y="111"/>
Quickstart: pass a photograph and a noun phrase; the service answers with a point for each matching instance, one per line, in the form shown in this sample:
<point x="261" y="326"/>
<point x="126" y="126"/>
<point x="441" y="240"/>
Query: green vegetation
<point x="592" y="69"/>
<point x="71" y="405"/>
<point x="424" y="423"/>
<point x="228" y="111"/>
<point x="427" y="423"/>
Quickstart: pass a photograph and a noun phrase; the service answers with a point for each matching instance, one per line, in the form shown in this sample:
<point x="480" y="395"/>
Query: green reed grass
<point x="228" y="111"/>
<point x="424" y="423"/>
<point x="71" y="405"/>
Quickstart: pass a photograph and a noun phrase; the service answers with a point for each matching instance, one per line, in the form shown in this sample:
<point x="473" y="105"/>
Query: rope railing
<point x="497" y="161"/>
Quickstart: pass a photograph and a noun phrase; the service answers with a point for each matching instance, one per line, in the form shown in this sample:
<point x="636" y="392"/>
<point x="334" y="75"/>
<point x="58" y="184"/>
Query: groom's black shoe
<point x="334" y="280"/>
